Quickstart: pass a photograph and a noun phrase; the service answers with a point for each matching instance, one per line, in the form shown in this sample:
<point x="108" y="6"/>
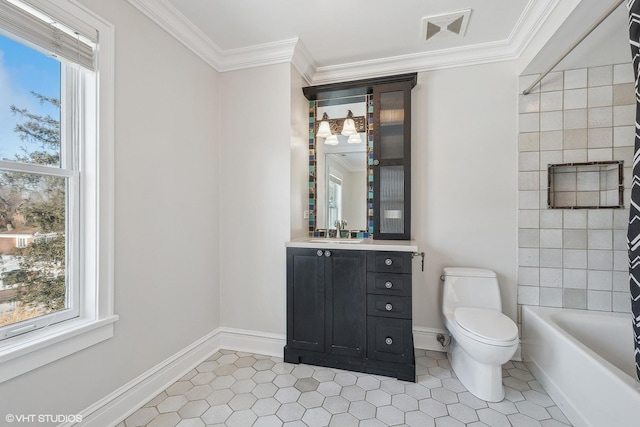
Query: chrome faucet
<point x="340" y="225"/>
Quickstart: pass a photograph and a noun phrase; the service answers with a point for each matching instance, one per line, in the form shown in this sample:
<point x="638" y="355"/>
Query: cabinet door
<point x="392" y="161"/>
<point x="345" y="280"/>
<point x="305" y="299"/>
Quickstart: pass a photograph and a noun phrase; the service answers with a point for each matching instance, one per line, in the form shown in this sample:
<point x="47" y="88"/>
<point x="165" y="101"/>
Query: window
<point x="56" y="180"/>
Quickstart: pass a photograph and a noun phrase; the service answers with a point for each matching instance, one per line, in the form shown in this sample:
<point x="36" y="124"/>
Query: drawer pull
<point x="319" y="253"/>
<point x="388" y="341"/>
<point x="327" y="253"/>
<point x="388" y="261"/>
<point x="388" y="307"/>
<point x="388" y="285"/>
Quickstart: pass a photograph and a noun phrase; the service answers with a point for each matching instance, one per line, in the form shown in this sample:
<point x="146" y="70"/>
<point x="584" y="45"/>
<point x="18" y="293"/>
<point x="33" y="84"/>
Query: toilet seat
<point x="487" y="326"/>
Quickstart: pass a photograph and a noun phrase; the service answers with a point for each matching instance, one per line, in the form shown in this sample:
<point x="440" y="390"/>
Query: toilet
<point x="482" y="337"/>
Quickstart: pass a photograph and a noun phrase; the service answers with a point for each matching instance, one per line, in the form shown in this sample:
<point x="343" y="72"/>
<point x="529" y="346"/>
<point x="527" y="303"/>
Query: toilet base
<point x="482" y="380"/>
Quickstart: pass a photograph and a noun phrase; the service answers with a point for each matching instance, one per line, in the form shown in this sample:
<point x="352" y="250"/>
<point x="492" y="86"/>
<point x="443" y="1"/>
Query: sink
<point x="343" y="240"/>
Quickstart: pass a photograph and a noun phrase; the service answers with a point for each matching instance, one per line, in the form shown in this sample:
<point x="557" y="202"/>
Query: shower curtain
<point x="633" y="236"/>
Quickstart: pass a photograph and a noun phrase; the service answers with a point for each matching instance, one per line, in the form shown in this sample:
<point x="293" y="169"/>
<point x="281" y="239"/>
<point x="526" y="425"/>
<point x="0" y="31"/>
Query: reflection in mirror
<point x="341" y="173"/>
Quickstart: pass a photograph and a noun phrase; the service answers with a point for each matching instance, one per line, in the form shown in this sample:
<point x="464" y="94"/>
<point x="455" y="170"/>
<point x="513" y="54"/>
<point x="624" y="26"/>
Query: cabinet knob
<point x="327" y="253"/>
<point x="388" y="285"/>
<point x="388" y="261"/>
<point x="388" y="307"/>
<point x="388" y="341"/>
<point x="319" y="253"/>
<point x="376" y="162"/>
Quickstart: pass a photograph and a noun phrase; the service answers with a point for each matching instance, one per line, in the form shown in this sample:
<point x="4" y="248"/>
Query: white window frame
<point x="95" y="323"/>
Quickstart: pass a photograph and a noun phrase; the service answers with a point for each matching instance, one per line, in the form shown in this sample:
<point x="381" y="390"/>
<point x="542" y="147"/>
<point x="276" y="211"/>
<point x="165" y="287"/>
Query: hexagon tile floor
<point x="241" y="389"/>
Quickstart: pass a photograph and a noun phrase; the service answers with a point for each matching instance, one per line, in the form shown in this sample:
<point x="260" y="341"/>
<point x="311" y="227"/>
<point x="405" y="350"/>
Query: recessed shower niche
<point x="593" y="185"/>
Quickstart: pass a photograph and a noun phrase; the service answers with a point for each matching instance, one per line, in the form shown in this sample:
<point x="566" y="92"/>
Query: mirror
<point x="341" y="171"/>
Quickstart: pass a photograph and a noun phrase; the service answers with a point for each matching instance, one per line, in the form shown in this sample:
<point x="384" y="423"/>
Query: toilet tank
<point x="470" y="287"/>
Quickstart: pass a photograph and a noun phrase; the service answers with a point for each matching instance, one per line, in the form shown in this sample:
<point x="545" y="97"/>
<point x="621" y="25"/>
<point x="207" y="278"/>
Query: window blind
<point x="59" y="40"/>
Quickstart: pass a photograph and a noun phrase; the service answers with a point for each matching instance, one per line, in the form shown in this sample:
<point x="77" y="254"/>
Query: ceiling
<point x="334" y="40"/>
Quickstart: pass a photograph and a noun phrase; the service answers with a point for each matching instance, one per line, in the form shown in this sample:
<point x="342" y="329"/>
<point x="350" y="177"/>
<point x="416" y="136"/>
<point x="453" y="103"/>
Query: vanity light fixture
<point x="354" y="139"/>
<point x="331" y="140"/>
<point x="324" y="128"/>
<point x="349" y="126"/>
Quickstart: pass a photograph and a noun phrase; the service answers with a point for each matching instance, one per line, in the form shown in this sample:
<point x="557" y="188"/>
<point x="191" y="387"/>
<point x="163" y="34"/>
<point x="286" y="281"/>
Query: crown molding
<point x="293" y="50"/>
<point x="177" y="25"/>
<point x="531" y="20"/>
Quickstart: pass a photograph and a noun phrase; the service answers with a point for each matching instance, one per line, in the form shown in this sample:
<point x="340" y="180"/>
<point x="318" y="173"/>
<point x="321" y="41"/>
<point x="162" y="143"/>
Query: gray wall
<point x="166" y="220"/>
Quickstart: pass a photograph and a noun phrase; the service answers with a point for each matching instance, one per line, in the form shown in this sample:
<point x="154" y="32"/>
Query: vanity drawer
<point x="389" y="340"/>
<point x="389" y="262"/>
<point x="389" y="284"/>
<point x="389" y="306"/>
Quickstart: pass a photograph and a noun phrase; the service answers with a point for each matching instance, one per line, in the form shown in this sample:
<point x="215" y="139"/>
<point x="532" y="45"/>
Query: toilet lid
<point x="486" y="324"/>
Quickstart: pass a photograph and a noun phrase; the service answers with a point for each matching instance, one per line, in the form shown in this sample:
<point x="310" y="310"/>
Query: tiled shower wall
<point x="574" y="258"/>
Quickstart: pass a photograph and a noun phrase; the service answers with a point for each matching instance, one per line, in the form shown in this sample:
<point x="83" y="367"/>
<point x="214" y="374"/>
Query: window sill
<point x="30" y="351"/>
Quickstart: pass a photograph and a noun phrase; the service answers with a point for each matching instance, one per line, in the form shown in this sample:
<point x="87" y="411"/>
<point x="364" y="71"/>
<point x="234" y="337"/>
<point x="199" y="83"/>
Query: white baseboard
<point x="427" y="338"/>
<point x="123" y="402"/>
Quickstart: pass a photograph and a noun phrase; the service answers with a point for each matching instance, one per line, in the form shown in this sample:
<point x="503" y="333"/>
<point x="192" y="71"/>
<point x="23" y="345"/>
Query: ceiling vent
<point x="446" y="25"/>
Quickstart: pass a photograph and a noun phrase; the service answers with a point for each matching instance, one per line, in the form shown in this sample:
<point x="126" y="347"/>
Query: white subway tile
<point x="575" y="78"/>
<point x="602" y="219"/>
<point x="551" y="140"/>
<point x="601" y="137"/>
<point x="574" y="258"/>
<point x="624" y="115"/>
<point x="574" y="278"/>
<point x="621" y="281"/>
<point x="529" y="180"/>
<point x="528" y="257"/>
<point x="529" y="122"/>
<point x="551" y="277"/>
<point x="599" y="154"/>
<point x="624" y="136"/>
<point x="575" y="156"/>
<point x="575" y="119"/>
<point x="528" y="238"/>
<point x="529" y="218"/>
<point x="551" y="101"/>
<point x="551" y="258"/>
<point x="528" y="295"/>
<point x="551" y="120"/>
<point x="599" y="300"/>
<point x="575" y="219"/>
<point x="574" y="298"/>
<point x="529" y="276"/>
<point x="551" y="238"/>
<point x="599" y="259"/>
<point x="551" y="218"/>
<point x="575" y="238"/>
<point x="529" y="103"/>
<point x="552" y="81"/>
<point x="529" y="161"/>
<point x="622" y="302"/>
<point x="600" y="117"/>
<point x="551" y="297"/>
<point x="600" y="280"/>
<point x="620" y="260"/>
<point x="600" y="76"/>
<point x="601" y="96"/>
<point x="576" y="98"/>
<point x="623" y="73"/>
<point x="528" y="200"/>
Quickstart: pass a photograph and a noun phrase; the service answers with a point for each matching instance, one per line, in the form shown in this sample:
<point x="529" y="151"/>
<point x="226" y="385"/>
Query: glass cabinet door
<point x="392" y="161"/>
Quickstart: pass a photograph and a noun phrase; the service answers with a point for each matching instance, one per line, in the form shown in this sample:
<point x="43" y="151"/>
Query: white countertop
<point x="354" y="244"/>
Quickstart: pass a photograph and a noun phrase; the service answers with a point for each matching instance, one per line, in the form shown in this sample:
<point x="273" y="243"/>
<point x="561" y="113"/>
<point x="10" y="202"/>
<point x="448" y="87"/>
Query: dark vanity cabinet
<point x="392" y="160"/>
<point x="350" y="309"/>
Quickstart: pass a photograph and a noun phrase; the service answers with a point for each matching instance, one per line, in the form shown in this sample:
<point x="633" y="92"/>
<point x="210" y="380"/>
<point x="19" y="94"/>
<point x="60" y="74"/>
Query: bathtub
<point x="584" y="360"/>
